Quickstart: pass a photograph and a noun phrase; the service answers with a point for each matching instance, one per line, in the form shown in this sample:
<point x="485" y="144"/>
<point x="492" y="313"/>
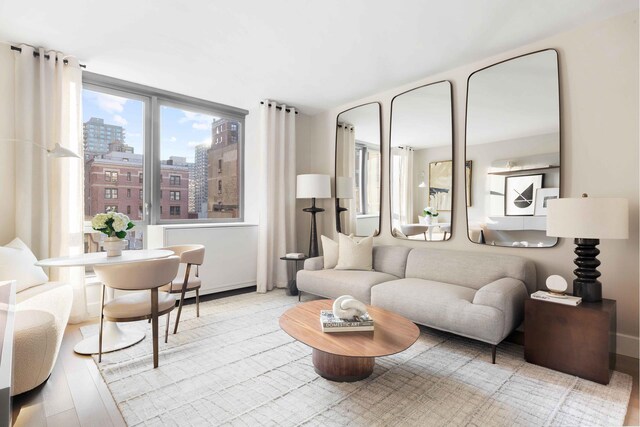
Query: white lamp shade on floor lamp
<point x="588" y="218"/>
<point x="312" y="186"/>
<point x="344" y="187"/>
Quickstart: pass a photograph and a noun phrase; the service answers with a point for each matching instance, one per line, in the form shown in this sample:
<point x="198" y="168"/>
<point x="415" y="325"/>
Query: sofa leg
<point x="299" y="295"/>
<point x="493" y="354"/>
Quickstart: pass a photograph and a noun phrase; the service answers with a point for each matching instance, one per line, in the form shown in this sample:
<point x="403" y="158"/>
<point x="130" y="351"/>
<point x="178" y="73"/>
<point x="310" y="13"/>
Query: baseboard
<point x="627" y="345"/>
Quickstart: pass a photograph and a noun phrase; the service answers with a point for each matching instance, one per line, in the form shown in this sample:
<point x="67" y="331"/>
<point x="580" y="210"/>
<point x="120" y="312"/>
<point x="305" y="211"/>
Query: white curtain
<point x="276" y="235"/>
<point x="402" y="181"/>
<point x="345" y="166"/>
<point x="45" y="96"/>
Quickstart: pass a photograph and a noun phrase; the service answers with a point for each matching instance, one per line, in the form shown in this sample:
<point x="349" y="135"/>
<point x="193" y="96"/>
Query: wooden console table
<point x="577" y="340"/>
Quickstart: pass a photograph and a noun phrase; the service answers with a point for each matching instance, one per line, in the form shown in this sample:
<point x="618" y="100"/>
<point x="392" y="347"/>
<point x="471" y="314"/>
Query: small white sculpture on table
<point x="347" y="307"/>
<point x="557" y="285"/>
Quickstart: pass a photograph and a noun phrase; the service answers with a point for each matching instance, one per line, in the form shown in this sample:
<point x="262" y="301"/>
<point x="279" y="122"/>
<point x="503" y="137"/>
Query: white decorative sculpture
<point x="347" y="307"/>
<point x="557" y="284"/>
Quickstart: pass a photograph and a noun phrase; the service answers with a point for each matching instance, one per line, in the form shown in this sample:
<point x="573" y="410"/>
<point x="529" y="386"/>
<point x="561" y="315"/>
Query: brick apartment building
<point x="114" y="181"/>
<point x="223" y="165"/>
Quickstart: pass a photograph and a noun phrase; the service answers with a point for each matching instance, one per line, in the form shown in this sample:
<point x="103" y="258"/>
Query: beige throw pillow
<point x="355" y="255"/>
<point x="17" y="263"/>
<point x="330" y="252"/>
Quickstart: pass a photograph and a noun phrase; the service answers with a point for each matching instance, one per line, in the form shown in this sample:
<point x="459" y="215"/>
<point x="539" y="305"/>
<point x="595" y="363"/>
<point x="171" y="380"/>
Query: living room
<point x="441" y="168"/>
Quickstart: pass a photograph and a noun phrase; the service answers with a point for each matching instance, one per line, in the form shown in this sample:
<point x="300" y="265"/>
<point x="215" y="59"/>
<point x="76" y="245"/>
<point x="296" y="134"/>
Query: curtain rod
<point x="37" y="54"/>
<point x="278" y="107"/>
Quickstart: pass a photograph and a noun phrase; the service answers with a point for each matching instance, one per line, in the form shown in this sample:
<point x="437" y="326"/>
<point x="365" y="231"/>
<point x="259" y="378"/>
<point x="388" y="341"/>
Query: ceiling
<point x="313" y="55"/>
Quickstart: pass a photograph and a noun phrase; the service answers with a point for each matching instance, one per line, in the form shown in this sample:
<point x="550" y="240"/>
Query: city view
<point x="198" y="168"/>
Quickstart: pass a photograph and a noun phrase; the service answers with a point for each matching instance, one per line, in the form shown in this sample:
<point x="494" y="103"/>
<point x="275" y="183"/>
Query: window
<point x="110" y="176"/>
<point x="118" y="118"/>
<point x="128" y="209"/>
<point x="367" y="168"/>
<point x="110" y="193"/>
<point x="111" y="208"/>
<point x="219" y="186"/>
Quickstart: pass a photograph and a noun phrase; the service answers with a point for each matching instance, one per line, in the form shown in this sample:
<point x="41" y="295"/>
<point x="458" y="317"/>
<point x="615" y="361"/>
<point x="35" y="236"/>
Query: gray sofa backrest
<point x="470" y="269"/>
<point x="390" y="259"/>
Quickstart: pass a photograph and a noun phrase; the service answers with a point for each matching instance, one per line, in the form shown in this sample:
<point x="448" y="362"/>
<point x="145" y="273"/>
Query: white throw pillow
<point x="355" y="255"/>
<point x="329" y="252"/>
<point x="17" y="263"/>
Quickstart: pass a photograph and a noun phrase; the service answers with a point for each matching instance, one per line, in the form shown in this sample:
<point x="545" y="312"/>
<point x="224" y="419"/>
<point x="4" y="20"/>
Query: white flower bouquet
<point x="429" y="211"/>
<point x="113" y="224"/>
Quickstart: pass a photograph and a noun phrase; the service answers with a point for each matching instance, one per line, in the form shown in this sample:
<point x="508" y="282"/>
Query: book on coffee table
<point x="558" y="299"/>
<point x="331" y="323"/>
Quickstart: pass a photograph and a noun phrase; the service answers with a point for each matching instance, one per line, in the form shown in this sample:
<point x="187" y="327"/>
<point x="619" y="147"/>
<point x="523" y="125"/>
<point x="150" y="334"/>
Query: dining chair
<point x="189" y="255"/>
<point x="138" y="276"/>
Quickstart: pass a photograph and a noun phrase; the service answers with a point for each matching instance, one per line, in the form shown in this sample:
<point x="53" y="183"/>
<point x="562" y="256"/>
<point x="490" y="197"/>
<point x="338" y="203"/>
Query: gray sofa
<point x="476" y="295"/>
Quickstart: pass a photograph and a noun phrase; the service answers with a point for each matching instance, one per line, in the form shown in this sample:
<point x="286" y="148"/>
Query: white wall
<point x="599" y="109"/>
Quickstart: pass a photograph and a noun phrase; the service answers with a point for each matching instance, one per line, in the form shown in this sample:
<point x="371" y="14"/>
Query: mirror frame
<point x="466" y="117"/>
<point x="453" y="163"/>
<point x="335" y="164"/>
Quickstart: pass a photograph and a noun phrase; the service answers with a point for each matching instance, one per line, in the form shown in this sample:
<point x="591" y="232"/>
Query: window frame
<point x="153" y="100"/>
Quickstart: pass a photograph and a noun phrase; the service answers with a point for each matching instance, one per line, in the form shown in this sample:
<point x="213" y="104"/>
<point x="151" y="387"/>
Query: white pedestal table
<point x="113" y="338"/>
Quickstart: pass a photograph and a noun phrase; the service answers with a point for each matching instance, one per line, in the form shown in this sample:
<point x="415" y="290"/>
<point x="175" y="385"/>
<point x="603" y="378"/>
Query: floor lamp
<point x="344" y="190"/>
<point x="313" y="186"/>
<point x="588" y="220"/>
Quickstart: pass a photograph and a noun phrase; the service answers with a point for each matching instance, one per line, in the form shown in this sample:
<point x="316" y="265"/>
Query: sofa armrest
<point x="315" y="263"/>
<point x="507" y="295"/>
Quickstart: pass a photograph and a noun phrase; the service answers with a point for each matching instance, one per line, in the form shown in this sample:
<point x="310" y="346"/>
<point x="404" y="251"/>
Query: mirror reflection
<point x="513" y="140"/>
<point x="358" y="163"/>
<point x="421" y="167"/>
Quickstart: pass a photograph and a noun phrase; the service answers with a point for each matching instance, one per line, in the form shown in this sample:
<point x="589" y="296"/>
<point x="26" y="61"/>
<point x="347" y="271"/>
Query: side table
<point x="577" y="340"/>
<point x="292" y="288"/>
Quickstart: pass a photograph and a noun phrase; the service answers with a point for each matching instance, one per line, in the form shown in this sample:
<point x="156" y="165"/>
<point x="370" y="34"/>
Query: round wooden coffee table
<point x="348" y="356"/>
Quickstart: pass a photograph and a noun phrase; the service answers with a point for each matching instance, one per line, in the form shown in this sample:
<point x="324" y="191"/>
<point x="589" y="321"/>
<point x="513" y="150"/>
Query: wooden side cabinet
<point x="575" y="340"/>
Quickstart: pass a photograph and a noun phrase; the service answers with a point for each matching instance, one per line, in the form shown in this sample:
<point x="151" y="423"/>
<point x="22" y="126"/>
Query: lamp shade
<point x="311" y="186"/>
<point x="344" y="187"/>
<point x="588" y="218"/>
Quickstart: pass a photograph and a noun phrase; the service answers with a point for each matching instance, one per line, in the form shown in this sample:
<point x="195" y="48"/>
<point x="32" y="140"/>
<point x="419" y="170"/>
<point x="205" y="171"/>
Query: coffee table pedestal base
<point x="342" y="368"/>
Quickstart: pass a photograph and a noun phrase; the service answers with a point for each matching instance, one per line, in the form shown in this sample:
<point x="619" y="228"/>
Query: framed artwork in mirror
<point x="519" y="192"/>
<point x="543" y="195"/>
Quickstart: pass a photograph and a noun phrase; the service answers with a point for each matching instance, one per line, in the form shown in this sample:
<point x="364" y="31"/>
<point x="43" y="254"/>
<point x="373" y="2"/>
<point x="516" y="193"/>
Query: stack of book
<point x="558" y="299"/>
<point x="331" y="323"/>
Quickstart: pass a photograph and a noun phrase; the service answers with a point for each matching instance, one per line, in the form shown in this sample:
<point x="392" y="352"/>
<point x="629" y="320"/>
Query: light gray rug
<point x="234" y="366"/>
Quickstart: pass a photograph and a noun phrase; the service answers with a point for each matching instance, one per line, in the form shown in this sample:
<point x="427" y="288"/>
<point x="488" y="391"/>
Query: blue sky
<point x="180" y="130"/>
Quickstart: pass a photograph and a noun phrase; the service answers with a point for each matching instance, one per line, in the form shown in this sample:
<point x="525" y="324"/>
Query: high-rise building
<point x="201" y="185"/>
<point x="97" y="136"/>
<point x="223" y="168"/>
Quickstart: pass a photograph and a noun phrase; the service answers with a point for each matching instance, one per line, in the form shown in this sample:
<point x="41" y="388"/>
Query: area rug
<point x="234" y="366"/>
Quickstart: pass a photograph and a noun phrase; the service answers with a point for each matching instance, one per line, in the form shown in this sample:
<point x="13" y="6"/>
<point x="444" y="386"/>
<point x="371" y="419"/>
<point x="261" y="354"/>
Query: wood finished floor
<point x="76" y="395"/>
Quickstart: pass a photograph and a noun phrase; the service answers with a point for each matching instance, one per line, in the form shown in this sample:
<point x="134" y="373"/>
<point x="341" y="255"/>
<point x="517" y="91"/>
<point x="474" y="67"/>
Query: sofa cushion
<point x="442" y="306"/>
<point x="334" y="283"/>
<point x="470" y="269"/>
<point x="355" y="255"/>
<point x="390" y="259"/>
<point x="17" y="263"/>
<point x="329" y="252"/>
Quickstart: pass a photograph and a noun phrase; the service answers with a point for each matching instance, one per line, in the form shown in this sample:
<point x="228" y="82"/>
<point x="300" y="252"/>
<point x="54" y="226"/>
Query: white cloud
<point x="173" y="139"/>
<point x="206" y="141"/>
<point x="198" y="121"/>
<point x="201" y="126"/>
<point x="119" y="120"/>
<point x="110" y="103"/>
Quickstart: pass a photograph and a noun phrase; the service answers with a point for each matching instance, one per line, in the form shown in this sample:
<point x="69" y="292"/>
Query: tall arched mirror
<point x="513" y="140"/>
<point x="358" y="170"/>
<point x="421" y="163"/>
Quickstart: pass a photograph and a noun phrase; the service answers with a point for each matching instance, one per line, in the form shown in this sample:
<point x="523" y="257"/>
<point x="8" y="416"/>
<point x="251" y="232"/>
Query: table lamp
<point x="588" y="220"/>
<point x="313" y="186"/>
<point x="344" y="190"/>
